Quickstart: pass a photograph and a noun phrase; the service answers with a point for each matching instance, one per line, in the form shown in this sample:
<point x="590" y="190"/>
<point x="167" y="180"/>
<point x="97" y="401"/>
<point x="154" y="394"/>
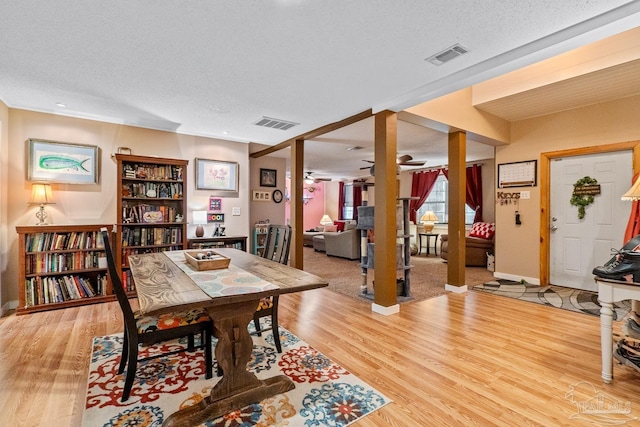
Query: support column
<point x="457" y="196"/>
<point x="296" y="205"/>
<point x="385" y="290"/>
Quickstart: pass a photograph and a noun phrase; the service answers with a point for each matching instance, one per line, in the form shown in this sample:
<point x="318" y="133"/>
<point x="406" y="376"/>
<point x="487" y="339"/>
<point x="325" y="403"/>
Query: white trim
<point x="514" y="278"/>
<point x="456" y="289"/>
<point x="385" y="311"/>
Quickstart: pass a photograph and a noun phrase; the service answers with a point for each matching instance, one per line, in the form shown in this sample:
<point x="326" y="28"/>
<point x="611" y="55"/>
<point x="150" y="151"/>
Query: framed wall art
<point x="268" y="177"/>
<point x="62" y="162"/>
<point x="220" y="177"/>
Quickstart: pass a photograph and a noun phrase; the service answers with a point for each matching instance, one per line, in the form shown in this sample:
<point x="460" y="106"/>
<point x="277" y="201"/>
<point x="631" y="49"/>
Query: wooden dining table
<point x="166" y="282"/>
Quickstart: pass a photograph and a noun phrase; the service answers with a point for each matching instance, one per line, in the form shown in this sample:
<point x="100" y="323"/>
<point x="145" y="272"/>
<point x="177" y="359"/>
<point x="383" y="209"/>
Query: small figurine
<point x="221" y="231"/>
<point x="178" y="217"/>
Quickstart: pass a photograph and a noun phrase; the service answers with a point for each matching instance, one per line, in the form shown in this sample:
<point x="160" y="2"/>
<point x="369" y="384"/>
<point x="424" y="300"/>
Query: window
<point x="438" y="203"/>
<point x="347" y="209"/>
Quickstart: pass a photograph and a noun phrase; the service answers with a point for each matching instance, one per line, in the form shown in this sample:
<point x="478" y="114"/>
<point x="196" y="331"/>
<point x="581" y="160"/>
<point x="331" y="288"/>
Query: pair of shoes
<point x="625" y="267"/>
<point x="624" y="357"/>
<point x="631" y="329"/>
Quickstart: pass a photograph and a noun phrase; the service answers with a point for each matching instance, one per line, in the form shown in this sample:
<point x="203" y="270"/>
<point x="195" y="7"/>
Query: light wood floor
<point x="470" y="359"/>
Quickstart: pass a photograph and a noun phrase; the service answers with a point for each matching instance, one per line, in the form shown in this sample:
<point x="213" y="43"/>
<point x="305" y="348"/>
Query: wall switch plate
<point x="525" y="194"/>
<point x="235" y="211"/>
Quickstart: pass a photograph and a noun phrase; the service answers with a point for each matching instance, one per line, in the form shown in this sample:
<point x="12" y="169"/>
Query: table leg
<point x="238" y="386"/>
<point x="606" y="340"/>
<point x="419" y="244"/>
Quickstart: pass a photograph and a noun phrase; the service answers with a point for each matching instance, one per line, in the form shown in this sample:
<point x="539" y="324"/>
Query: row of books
<point x="165" y="190"/>
<point x="136" y="213"/>
<point x="143" y="236"/>
<point x="152" y="171"/>
<point x="46" y="290"/>
<point x="213" y="245"/>
<point x="38" y="242"/>
<point x="60" y="262"/>
<point x="132" y="251"/>
<point x="127" y="281"/>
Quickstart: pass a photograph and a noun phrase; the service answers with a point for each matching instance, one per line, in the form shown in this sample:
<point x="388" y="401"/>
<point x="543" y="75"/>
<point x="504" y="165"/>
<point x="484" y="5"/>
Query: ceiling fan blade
<point x="322" y="179"/>
<point x="404" y="159"/>
<point x="365" y="167"/>
<point x="369" y="161"/>
<point x="416" y="163"/>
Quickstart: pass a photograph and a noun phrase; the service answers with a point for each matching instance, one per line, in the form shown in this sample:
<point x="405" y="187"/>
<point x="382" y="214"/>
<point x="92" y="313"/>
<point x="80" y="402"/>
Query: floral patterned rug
<point x="326" y="394"/>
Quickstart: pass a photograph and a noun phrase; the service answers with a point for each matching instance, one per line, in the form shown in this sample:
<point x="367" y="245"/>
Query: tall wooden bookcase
<point x="61" y="266"/>
<point x="152" y="208"/>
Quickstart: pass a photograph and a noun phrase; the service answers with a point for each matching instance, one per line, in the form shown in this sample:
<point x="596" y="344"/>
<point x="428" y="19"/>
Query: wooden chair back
<point x="278" y="243"/>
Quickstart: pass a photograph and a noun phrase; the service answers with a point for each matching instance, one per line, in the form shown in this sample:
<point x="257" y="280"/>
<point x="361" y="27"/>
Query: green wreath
<point x="582" y="200"/>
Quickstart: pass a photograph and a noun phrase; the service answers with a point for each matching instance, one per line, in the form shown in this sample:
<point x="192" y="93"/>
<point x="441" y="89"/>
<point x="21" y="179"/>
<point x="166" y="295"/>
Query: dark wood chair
<point x="276" y="249"/>
<point x="147" y="330"/>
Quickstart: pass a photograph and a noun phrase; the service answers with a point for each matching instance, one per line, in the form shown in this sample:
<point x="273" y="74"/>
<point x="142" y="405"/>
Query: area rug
<point x="554" y="296"/>
<point x="326" y="394"/>
<point x="428" y="275"/>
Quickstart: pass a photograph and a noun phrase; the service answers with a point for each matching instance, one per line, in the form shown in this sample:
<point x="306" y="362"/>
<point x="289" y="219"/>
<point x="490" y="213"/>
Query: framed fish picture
<point x="62" y="162"/>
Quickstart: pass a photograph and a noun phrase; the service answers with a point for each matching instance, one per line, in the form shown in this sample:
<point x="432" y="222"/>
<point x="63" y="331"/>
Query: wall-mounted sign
<point x="215" y="204"/>
<point x="215" y="217"/>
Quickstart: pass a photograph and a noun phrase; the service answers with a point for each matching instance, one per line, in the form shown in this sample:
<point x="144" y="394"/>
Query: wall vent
<point x="447" y="55"/>
<point x="269" y="122"/>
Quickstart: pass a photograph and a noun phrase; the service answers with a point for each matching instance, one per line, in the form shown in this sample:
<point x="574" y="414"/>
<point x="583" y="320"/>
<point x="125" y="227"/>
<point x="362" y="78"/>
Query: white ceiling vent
<point x="447" y="54"/>
<point x="269" y="122"/>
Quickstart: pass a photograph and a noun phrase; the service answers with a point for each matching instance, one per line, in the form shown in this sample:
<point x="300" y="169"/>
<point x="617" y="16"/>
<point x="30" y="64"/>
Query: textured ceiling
<point x="213" y="68"/>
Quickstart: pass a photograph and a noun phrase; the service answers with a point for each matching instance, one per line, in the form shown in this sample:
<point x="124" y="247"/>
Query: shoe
<point x="626" y="267"/>
<point x="626" y="358"/>
<point x="631" y="329"/>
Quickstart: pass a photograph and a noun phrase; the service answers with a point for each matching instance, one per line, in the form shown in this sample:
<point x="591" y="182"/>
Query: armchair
<point x="345" y="244"/>
<point x="476" y="249"/>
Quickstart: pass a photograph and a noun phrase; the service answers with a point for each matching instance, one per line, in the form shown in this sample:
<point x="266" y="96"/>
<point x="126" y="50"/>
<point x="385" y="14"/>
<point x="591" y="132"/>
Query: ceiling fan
<point x="404" y="160"/>
<point x="310" y="179"/>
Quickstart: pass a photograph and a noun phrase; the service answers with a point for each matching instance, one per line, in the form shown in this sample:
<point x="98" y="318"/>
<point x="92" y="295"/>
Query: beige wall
<point x="4" y="185"/>
<point x="94" y="204"/>
<point x="517" y="247"/>
<point x="260" y="211"/>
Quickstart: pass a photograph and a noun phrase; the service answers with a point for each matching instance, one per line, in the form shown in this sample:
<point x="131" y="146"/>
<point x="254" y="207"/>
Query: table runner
<point x="222" y="282"/>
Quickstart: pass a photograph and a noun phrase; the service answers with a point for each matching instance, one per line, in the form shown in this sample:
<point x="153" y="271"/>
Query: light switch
<point x="525" y="194"/>
<point x="235" y="211"/>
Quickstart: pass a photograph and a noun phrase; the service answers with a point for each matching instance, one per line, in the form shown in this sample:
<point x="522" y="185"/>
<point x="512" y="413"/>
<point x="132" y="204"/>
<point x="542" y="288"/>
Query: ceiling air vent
<point x="269" y="122"/>
<point x="447" y="54"/>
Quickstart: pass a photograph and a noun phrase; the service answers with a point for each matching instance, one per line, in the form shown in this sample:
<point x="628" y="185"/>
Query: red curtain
<point x="633" y="226"/>
<point x="341" y="200"/>
<point x="357" y="199"/>
<point x="421" y="185"/>
<point x="474" y="190"/>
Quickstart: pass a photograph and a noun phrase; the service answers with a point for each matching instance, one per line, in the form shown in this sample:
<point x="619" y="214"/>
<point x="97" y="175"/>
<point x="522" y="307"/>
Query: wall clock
<point x="277" y="196"/>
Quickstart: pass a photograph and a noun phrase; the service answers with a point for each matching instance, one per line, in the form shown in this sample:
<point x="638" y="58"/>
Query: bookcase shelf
<point x="61" y="266"/>
<point x="152" y="207"/>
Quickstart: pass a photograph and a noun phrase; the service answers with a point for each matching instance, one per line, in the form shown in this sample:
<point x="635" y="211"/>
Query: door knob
<point x="554" y="228"/>
<point x="553" y="218"/>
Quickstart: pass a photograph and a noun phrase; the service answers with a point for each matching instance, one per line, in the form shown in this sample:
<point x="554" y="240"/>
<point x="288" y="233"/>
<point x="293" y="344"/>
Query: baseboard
<point x="11" y="305"/>
<point x="456" y="289"/>
<point x="385" y="311"/>
<point x="514" y="278"/>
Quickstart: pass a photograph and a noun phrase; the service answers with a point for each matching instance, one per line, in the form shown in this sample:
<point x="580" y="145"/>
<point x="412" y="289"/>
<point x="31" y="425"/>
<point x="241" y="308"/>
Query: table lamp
<point x="633" y="193"/>
<point x="41" y="195"/>
<point x="199" y="219"/>
<point x="428" y="219"/>
<point x="326" y="220"/>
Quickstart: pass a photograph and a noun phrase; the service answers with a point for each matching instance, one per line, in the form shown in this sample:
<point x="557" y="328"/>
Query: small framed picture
<point x="267" y="177"/>
<point x="62" y="162"/>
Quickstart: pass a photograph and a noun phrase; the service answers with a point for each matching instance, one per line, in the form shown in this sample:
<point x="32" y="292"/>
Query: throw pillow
<point x="330" y="228"/>
<point x="339" y="224"/>
<point x="483" y="230"/>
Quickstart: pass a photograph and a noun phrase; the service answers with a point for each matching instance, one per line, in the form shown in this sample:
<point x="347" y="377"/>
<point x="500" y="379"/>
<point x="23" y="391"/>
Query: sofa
<point x="343" y="244"/>
<point x="478" y="243"/>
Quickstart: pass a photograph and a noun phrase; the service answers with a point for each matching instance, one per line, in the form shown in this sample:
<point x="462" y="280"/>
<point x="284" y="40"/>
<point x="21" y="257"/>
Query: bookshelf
<point x="61" y="266"/>
<point x="236" y="242"/>
<point x="151" y="208"/>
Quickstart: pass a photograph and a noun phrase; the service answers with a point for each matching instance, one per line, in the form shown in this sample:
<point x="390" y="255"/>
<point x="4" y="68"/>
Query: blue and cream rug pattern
<point x="554" y="296"/>
<point x="326" y="394"/>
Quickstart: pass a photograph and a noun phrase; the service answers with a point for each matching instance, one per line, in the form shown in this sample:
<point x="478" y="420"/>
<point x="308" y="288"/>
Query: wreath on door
<point x="582" y="200"/>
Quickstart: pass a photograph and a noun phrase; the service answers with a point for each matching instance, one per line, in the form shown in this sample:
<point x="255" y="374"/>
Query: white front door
<point x="578" y="245"/>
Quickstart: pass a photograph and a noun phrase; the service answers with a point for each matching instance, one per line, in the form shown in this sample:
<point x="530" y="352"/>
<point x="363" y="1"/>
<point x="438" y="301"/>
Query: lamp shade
<point x="326" y="220"/>
<point x="41" y="194"/>
<point x="633" y="193"/>
<point x="199" y="218"/>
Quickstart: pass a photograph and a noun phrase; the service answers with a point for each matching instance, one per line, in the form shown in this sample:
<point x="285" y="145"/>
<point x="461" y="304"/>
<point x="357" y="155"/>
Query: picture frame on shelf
<point x="218" y="176"/>
<point x="268" y="177"/>
<point x="62" y="162"/>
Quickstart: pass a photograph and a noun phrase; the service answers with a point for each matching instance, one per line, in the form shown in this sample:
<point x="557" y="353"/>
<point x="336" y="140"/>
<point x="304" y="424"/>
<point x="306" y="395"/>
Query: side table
<point x="428" y="236"/>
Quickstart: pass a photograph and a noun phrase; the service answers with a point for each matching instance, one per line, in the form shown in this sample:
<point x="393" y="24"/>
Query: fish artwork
<point x="62" y="162"/>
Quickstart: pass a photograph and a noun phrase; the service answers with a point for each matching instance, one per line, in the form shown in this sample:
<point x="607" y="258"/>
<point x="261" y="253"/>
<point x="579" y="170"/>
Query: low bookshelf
<point x="61" y="266"/>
